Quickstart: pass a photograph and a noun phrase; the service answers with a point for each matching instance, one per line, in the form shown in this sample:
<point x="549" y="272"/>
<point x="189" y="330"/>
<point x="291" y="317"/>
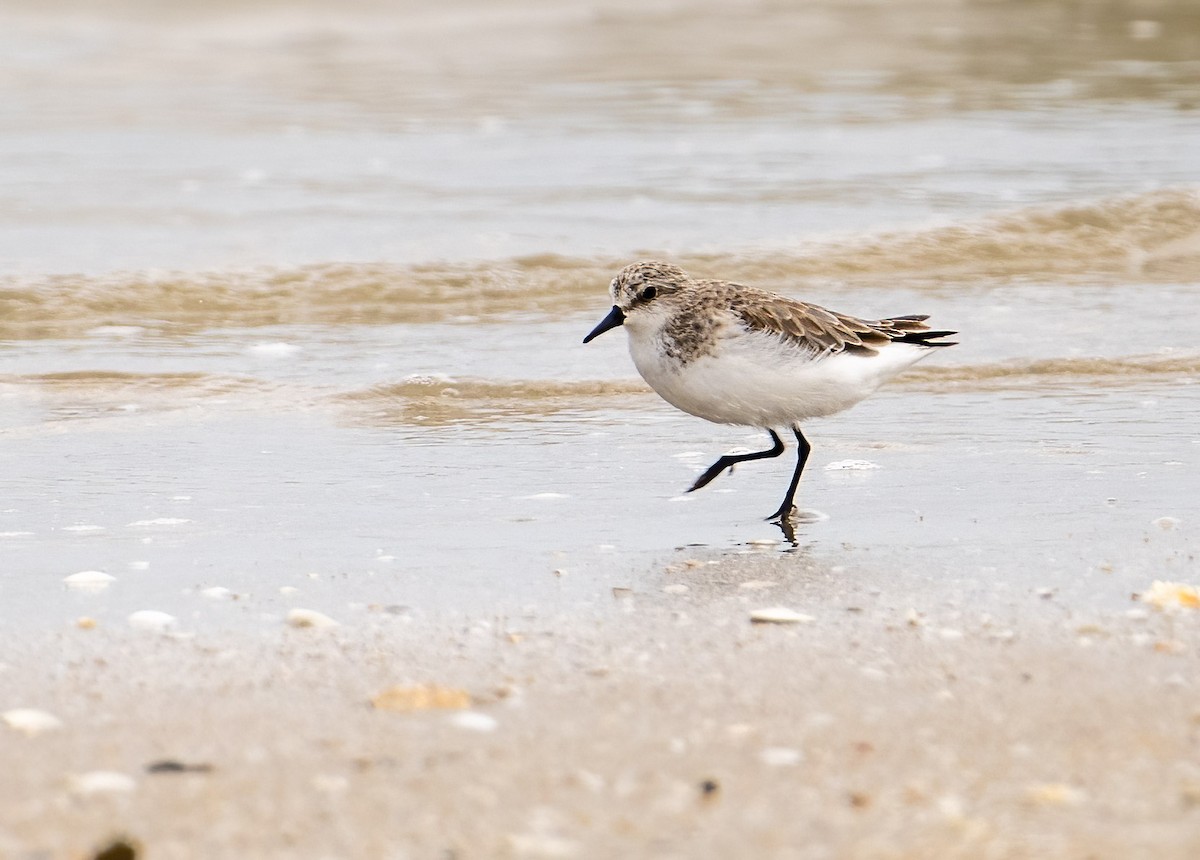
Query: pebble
<point x="676" y="588"/>
<point x="89" y="580"/>
<point x="152" y="620"/>
<point x="159" y="521"/>
<point x="779" y="615"/>
<point x="309" y="618"/>
<point x="1165" y="523"/>
<point x="30" y="721"/>
<point x="101" y="782"/>
<point x="217" y="592"/>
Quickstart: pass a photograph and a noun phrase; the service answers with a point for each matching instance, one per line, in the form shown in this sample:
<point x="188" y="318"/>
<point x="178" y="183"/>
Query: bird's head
<point x="638" y="291"/>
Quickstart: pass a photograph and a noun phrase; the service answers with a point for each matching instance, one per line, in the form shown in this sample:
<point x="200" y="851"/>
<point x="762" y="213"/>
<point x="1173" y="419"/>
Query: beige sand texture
<point x="670" y="726"/>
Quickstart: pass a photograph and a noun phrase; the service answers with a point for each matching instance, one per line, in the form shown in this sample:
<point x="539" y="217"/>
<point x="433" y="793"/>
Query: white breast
<point x="760" y="380"/>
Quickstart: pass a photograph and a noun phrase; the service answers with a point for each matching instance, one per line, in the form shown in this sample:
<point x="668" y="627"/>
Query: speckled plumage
<point x="740" y="355"/>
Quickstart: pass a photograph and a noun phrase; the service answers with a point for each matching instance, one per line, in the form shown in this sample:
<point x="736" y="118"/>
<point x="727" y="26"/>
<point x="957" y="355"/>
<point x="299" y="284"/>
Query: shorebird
<point x="740" y="355"/>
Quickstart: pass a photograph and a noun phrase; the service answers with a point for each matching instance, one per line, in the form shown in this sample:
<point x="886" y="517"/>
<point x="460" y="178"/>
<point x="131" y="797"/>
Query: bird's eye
<point x="647" y="294"/>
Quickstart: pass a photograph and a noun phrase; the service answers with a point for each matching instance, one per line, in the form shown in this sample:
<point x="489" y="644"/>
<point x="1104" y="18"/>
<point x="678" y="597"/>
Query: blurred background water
<point x="291" y="294"/>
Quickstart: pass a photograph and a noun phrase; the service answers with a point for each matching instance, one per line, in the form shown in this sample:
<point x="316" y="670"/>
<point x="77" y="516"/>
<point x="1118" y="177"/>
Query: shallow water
<point x="293" y="298"/>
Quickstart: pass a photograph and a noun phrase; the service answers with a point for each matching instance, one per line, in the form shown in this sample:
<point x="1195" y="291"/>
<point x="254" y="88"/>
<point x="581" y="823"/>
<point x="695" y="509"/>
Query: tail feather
<point x="927" y="338"/>
<point x="912" y="329"/>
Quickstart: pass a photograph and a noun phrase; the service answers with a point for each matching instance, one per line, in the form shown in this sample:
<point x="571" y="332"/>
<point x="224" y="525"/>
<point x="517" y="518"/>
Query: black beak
<point x="615" y="318"/>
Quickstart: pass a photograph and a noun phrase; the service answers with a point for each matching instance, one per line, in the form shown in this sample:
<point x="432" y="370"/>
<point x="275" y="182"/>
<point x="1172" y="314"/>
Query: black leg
<point x="730" y="460"/>
<point x="785" y="510"/>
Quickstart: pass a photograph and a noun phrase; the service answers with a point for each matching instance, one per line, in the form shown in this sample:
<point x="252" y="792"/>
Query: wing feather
<point x="822" y="331"/>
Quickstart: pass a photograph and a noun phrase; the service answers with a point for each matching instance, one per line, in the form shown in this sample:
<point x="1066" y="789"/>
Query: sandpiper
<point x="739" y="355"/>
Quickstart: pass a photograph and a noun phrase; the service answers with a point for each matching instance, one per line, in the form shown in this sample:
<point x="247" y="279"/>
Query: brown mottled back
<point x="823" y="331"/>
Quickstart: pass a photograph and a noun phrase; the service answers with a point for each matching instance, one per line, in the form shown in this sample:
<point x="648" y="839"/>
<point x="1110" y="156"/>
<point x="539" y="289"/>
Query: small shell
<point x="781" y="756"/>
<point x="30" y="721"/>
<point x="89" y="580"/>
<point x="1055" y="794"/>
<point x="1169" y="596"/>
<point x="101" y="782"/>
<point x="474" y="721"/>
<point x="309" y="618"/>
<point x="152" y="620"/>
<point x="420" y="697"/>
<point x="779" y="615"/>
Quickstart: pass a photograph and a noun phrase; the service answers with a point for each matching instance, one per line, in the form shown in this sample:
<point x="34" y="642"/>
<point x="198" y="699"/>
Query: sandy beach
<point x="891" y="720"/>
<point x="322" y="535"/>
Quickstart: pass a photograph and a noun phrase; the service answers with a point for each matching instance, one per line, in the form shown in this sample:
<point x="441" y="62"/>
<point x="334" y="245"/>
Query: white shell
<point x="89" y="580"/>
<point x="152" y="620"/>
<point x="779" y="615"/>
<point x="101" y="782"/>
<point x="781" y="756"/>
<point x="474" y="721"/>
<point x="30" y="721"/>
<point x="309" y="618"/>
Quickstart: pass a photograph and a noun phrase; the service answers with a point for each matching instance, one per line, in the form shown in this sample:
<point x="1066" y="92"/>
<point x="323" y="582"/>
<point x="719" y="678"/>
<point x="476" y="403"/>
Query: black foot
<point x="784" y="514"/>
<point x="730" y="460"/>
<point x="713" y="470"/>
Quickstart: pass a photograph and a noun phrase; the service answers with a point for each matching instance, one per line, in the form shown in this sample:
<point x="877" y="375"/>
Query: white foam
<point x="851" y="466"/>
<point x="273" y="350"/>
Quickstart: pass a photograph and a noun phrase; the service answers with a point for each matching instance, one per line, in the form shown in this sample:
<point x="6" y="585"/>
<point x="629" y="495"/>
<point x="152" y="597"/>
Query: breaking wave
<point x="1149" y="237"/>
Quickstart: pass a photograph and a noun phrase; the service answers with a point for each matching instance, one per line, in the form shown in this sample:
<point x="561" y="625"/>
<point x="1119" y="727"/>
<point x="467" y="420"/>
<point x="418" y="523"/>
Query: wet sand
<point x="894" y="721"/>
